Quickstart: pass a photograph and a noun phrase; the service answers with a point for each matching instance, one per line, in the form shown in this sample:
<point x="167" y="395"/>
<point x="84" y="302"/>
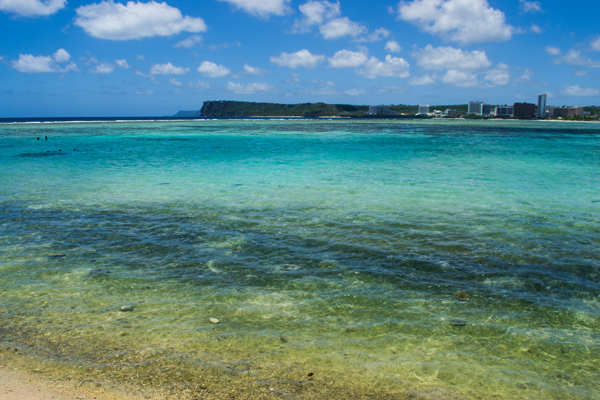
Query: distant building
<point x="474" y="107"/>
<point x="524" y="110"/>
<point x="504" y="111"/>
<point x="381" y="110"/>
<point x="423" y="109"/>
<point x="564" y="112"/>
<point x="541" y="111"/>
<point x="485" y="109"/>
<point x="449" y="112"/>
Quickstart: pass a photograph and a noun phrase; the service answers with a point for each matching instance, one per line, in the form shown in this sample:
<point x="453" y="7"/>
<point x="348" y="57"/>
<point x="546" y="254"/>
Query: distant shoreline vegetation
<point x="241" y="109"/>
<point x="232" y="109"/>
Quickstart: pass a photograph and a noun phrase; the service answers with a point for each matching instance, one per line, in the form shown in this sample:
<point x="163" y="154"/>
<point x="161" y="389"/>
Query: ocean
<point x="341" y="258"/>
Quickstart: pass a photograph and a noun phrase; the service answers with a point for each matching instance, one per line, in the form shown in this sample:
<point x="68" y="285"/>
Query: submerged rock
<point x="458" y="322"/>
<point x="55" y="255"/>
<point x="462" y="296"/>
<point x="126" y="308"/>
<point x="328" y="264"/>
<point x="214" y="320"/>
<point x="98" y="272"/>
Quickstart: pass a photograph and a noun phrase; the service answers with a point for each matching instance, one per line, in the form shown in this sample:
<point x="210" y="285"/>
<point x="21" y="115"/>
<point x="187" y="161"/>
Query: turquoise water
<point x="327" y="247"/>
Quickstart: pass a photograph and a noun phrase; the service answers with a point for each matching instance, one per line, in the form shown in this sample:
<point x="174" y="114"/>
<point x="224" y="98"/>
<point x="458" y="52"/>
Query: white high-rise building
<point x="474" y="107"/>
<point x="423" y="109"/>
<point x="542" y="105"/>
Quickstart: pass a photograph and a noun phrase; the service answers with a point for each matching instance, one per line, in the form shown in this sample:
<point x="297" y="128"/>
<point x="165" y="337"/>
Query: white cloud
<point x="439" y="58"/>
<point x="421" y="80"/>
<point x="574" y="57"/>
<point x="255" y="70"/>
<point x="535" y="29"/>
<point x="115" y="21"/>
<point x="464" y="21"/>
<point x="575" y="90"/>
<point x="32" y="8"/>
<point x="555" y="51"/>
<point x="315" y="13"/>
<point x="391" y="67"/>
<point x="302" y="58"/>
<point x="250" y="88"/>
<point x="143" y="91"/>
<point x="375" y="36"/>
<point x="167" y="69"/>
<point x="499" y="75"/>
<point x="31" y="64"/>
<point x="103" y="68"/>
<point x="526" y="75"/>
<point x="210" y="69"/>
<point x="530" y="6"/>
<point x="393" y="47"/>
<point x="189" y="42"/>
<point x="596" y="44"/>
<point x="348" y="59"/>
<point x="261" y="8"/>
<point x="580" y="73"/>
<point x="122" y="63"/>
<point x="199" y="85"/>
<point x="460" y="78"/>
<point x="175" y="82"/>
<point x="340" y="27"/>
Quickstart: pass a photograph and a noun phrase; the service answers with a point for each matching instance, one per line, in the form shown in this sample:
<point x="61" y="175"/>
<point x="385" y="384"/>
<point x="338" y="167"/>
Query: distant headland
<point x="242" y="109"/>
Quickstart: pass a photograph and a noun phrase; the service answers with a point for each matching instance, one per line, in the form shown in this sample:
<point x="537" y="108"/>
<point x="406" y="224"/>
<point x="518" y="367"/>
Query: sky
<point x="62" y="58"/>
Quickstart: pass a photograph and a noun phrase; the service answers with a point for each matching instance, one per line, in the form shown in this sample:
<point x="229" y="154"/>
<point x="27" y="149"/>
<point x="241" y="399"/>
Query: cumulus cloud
<point x="122" y="63"/>
<point x="464" y="21"/>
<point x="326" y="15"/>
<point x="302" y="58"/>
<point x="393" y="47"/>
<point x="530" y="6"/>
<point x="460" y="78"/>
<point x="254" y="70"/>
<point x="390" y="67"/>
<point x="261" y="8"/>
<point x="210" y="69"/>
<point x="175" y="82"/>
<point x="375" y="36"/>
<point x="340" y="27"/>
<point x="421" y="80"/>
<point x="348" y="59"/>
<point x="535" y="29"/>
<point x="315" y="13"/>
<point x="575" y="90"/>
<point x="167" y="69"/>
<point x="574" y="57"/>
<point x="199" y="85"/>
<point x="596" y="44"/>
<point x="32" y="8"/>
<point x="31" y="64"/>
<point x="555" y="51"/>
<point x="135" y="20"/>
<point x="439" y="58"/>
<point x="103" y="68"/>
<point x="355" y="92"/>
<point x="189" y="42"/>
<point x="499" y="75"/>
<point x="250" y="88"/>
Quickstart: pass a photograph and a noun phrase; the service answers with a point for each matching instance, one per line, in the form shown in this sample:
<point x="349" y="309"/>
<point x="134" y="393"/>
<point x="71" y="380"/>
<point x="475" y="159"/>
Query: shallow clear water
<point x="332" y="247"/>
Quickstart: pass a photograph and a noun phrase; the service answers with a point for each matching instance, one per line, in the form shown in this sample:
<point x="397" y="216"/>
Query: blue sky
<point x="144" y="58"/>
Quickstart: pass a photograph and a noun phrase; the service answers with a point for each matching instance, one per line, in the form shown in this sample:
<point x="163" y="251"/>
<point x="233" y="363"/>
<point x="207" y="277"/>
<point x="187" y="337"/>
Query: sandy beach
<point x="16" y="384"/>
